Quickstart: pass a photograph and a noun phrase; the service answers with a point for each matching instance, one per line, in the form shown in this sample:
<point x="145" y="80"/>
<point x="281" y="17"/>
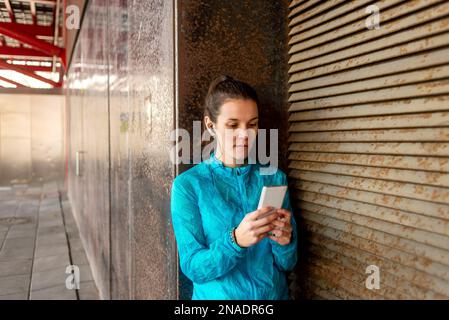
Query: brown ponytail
<point x="223" y="88"/>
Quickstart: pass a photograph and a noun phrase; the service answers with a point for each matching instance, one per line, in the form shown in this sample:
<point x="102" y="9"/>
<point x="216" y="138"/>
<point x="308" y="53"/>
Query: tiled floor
<point x="38" y="241"/>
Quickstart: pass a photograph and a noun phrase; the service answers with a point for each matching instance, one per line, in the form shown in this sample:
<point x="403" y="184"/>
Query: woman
<point x="224" y="249"/>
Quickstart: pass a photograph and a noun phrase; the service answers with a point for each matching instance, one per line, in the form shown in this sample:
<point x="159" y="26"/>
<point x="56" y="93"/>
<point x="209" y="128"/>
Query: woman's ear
<point x="209" y="125"/>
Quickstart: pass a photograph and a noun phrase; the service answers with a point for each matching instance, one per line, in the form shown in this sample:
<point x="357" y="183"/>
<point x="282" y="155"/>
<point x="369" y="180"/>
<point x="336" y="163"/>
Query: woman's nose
<point x="245" y="133"/>
<point x="242" y="133"/>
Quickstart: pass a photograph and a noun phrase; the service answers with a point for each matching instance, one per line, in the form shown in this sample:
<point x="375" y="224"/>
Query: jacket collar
<point x="217" y="164"/>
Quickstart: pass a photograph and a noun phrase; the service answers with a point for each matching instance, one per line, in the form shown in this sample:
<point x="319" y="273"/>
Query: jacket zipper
<point x="242" y="194"/>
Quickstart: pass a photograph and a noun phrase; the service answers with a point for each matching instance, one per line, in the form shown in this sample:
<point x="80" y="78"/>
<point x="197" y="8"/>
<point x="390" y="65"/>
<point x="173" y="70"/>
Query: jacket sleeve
<point x="198" y="261"/>
<point x="286" y="256"/>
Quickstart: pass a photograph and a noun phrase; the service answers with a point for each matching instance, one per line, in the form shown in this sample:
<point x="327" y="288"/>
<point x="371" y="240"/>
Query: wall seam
<point x="176" y="113"/>
<point x="109" y="148"/>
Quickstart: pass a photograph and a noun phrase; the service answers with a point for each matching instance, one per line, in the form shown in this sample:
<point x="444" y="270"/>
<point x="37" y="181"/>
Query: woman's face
<point x="236" y="129"/>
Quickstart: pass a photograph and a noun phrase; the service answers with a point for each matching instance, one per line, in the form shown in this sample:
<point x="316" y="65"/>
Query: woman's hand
<point x="251" y="230"/>
<point x="283" y="229"/>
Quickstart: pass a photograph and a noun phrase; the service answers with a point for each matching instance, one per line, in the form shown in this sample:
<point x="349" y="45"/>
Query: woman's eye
<point x="235" y="125"/>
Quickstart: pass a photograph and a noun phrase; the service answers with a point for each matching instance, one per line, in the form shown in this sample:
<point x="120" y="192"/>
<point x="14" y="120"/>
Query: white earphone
<point x="211" y="130"/>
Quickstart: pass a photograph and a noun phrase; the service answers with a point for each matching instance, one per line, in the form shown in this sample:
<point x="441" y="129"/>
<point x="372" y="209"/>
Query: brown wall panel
<point x="368" y="147"/>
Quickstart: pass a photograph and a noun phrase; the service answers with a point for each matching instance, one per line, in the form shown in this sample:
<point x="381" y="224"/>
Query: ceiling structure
<point x="32" y="38"/>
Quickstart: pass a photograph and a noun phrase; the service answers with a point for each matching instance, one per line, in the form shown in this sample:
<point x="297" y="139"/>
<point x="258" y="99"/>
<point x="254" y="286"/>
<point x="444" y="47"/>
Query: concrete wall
<point x="121" y="100"/>
<point x="138" y="71"/>
<point x="31" y="138"/>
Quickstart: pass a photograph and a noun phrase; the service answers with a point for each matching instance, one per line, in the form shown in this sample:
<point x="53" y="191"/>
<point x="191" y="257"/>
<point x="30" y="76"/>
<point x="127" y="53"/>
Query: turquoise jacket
<point x="207" y="201"/>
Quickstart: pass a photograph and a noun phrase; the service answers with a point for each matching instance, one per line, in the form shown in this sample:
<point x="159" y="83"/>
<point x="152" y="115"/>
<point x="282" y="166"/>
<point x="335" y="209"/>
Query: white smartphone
<point x="272" y="197"/>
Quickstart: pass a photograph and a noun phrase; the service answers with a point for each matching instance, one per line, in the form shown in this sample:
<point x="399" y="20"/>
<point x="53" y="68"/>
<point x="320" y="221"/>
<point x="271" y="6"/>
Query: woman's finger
<point x="263" y="229"/>
<point x="268" y="219"/>
<point x="278" y="233"/>
<point x="288" y="229"/>
<point x="282" y="241"/>
<point x="284" y="215"/>
<point x="281" y="224"/>
<point x="286" y="233"/>
<point x="263" y="235"/>
<point x="259" y="213"/>
<point x="284" y="212"/>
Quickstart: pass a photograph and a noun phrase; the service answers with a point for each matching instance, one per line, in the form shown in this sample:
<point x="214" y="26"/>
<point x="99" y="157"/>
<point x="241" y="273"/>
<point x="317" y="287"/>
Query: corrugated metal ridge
<point x="369" y="146"/>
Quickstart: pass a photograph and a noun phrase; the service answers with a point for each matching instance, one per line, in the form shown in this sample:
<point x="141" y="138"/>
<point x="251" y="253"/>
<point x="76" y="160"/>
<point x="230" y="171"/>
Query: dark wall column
<point x="246" y="39"/>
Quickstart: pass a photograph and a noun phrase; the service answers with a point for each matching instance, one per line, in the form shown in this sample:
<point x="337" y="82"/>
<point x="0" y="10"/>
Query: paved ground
<point x="38" y="241"/>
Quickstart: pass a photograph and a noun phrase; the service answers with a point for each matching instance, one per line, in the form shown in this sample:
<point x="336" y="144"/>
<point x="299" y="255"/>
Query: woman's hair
<point x="223" y="88"/>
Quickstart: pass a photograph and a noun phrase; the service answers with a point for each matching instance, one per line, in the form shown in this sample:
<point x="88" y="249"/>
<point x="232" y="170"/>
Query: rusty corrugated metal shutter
<point x="369" y="146"/>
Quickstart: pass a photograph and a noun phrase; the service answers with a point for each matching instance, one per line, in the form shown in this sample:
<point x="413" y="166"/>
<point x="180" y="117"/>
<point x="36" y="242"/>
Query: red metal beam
<point x="26" y="52"/>
<point x="49" y="2"/>
<point x="25" y="71"/>
<point x="18" y="85"/>
<point x="30" y="29"/>
<point x="40" y="45"/>
<point x="31" y="68"/>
